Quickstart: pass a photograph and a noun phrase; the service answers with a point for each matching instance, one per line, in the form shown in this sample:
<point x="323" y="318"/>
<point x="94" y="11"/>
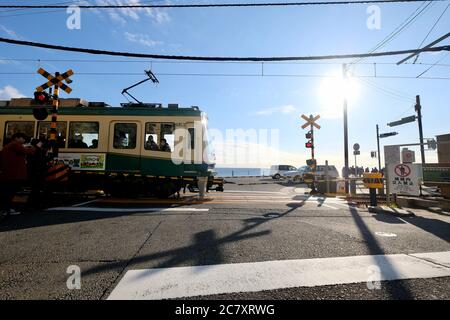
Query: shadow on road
<point x="384" y="265"/>
<point x="206" y="248"/>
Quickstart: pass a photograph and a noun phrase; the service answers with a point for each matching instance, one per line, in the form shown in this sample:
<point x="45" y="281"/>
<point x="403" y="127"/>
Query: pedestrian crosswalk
<point x="265" y="197"/>
<point x="286" y="196"/>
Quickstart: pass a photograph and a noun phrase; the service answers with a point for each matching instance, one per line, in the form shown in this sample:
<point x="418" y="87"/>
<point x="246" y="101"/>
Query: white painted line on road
<point x="326" y="205"/>
<point x="178" y="282"/>
<point x="386" y="234"/>
<point x="441" y="258"/>
<point x="106" y="210"/>
<point x="345" y="204"/>
<point x="84" y="203"/>
<point x="244" y="191"/>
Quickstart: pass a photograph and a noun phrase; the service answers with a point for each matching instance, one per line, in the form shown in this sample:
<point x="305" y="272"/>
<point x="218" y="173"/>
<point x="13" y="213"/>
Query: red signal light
<point x="41" y="97"/>
<point x="309" y="144"/>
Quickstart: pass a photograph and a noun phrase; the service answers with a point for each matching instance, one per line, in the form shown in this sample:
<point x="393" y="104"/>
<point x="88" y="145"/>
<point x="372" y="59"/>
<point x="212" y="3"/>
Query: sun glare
<point x="331" y="92"/>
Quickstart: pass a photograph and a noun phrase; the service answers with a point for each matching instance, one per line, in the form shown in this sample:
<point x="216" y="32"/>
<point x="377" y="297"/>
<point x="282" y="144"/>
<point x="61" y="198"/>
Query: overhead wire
<point x="407" y="22"/>
<point x="434" y="25"/>
<point x="216" y="5"/>
<point x="218" y="58"/>
<point x="233" y="75"/>
<point x="428" y="69"/>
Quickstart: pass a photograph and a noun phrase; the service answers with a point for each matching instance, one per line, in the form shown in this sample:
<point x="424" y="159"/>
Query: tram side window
<point x="83" y="135"/>
<point x="125" y="135"/>
<point x="167" y="134"/>
<point x="12" y="127"/>
<point x="61" y="131"/>
<point x="192" y="137"/>
<point x="151" y="136"/>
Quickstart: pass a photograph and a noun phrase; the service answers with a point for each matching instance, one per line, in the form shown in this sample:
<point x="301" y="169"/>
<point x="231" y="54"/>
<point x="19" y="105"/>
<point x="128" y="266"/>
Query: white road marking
<point x="178" y="282"/>
<point x="386" y="234"/>
<point x="244" y="191"/>
<point x="99" y="209"/>
<point x="441" y="258"/>
<point x="344" y="204"/>
<point x="326" y="205"/>
<point x="84" y="203"/>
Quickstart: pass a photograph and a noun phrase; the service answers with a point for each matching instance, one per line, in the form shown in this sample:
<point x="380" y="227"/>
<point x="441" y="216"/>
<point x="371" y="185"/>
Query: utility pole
<point x="312" y="147"/>
<point x="378" y="145"/>
<point x="344" y="74"/>
<point x="418" y="108"/>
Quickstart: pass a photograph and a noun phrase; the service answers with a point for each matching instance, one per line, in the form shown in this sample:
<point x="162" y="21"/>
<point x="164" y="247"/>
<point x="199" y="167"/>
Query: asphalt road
<point x="254" y="220"/>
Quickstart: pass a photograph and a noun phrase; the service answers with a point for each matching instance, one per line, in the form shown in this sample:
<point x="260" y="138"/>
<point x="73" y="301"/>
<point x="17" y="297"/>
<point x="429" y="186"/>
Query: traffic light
<point x="308" y="135"/>
<point x="309" y="144"/>
<point x="432" y="144"/>
<point x="41" y="97"/>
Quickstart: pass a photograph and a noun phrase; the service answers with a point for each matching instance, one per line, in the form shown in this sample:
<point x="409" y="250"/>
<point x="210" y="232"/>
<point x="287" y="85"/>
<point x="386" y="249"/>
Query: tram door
<point x="124" y="146"/>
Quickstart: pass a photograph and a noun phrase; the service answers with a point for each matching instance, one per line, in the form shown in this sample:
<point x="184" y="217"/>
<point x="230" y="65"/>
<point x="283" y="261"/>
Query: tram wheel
<point x="165" y="189"/>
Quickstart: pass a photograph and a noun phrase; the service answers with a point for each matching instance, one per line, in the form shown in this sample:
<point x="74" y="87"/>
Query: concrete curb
<point x="392" y="211"/>
<point x="438" y="210"/>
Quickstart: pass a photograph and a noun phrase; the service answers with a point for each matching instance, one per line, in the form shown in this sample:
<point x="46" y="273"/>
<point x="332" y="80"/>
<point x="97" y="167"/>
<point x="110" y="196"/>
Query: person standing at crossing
<point x="13" y="170"/>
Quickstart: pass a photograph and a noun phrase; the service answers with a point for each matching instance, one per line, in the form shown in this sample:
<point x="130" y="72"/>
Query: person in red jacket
<point x="13" y="170"/>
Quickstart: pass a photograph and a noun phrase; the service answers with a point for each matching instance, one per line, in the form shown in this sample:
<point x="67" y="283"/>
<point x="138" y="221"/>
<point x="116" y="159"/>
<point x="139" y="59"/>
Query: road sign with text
<point x="405" y="178"/>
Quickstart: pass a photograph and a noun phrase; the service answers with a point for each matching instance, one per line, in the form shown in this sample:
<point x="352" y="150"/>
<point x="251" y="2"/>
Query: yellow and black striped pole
<point x="54" y="123"/>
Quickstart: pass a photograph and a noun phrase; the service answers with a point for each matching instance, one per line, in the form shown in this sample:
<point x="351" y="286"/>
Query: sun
<point x="331" y="93"/>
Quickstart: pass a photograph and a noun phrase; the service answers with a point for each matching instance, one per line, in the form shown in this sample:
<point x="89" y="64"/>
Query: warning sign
<point x="373" y="180"/>
<point x="405" y="178"/>
<point x="402" y="170"/>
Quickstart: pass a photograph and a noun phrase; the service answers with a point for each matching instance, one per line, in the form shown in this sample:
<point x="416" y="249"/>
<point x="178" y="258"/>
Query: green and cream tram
<point x="109" y="148"/>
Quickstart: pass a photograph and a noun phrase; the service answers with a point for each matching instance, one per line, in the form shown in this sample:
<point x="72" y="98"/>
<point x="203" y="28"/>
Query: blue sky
<point x="247" y="101"/>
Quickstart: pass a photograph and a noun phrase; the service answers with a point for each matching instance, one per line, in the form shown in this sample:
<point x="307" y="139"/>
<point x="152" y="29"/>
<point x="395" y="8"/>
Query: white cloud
<point x="9" y="32"/>
<point x="283" y="110"/>
<point x="9" y="92"/>
<point x="142" y="39"/>
<point x="122" y="15"/>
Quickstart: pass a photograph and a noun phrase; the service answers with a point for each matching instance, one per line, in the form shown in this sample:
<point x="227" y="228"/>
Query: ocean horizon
<point x="242" y="172"/>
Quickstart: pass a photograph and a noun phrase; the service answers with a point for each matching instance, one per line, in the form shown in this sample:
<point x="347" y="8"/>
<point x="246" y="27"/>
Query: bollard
<point x="202" y="184"/>
<point x="352" y="186"/>
<point x="373" y="197"/>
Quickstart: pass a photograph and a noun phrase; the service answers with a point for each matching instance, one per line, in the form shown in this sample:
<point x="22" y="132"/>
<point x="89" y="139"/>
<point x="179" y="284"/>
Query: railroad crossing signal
<point x="55" y="80"/>
<point x="41" y="97"/>
<point x="310" y="121"/>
